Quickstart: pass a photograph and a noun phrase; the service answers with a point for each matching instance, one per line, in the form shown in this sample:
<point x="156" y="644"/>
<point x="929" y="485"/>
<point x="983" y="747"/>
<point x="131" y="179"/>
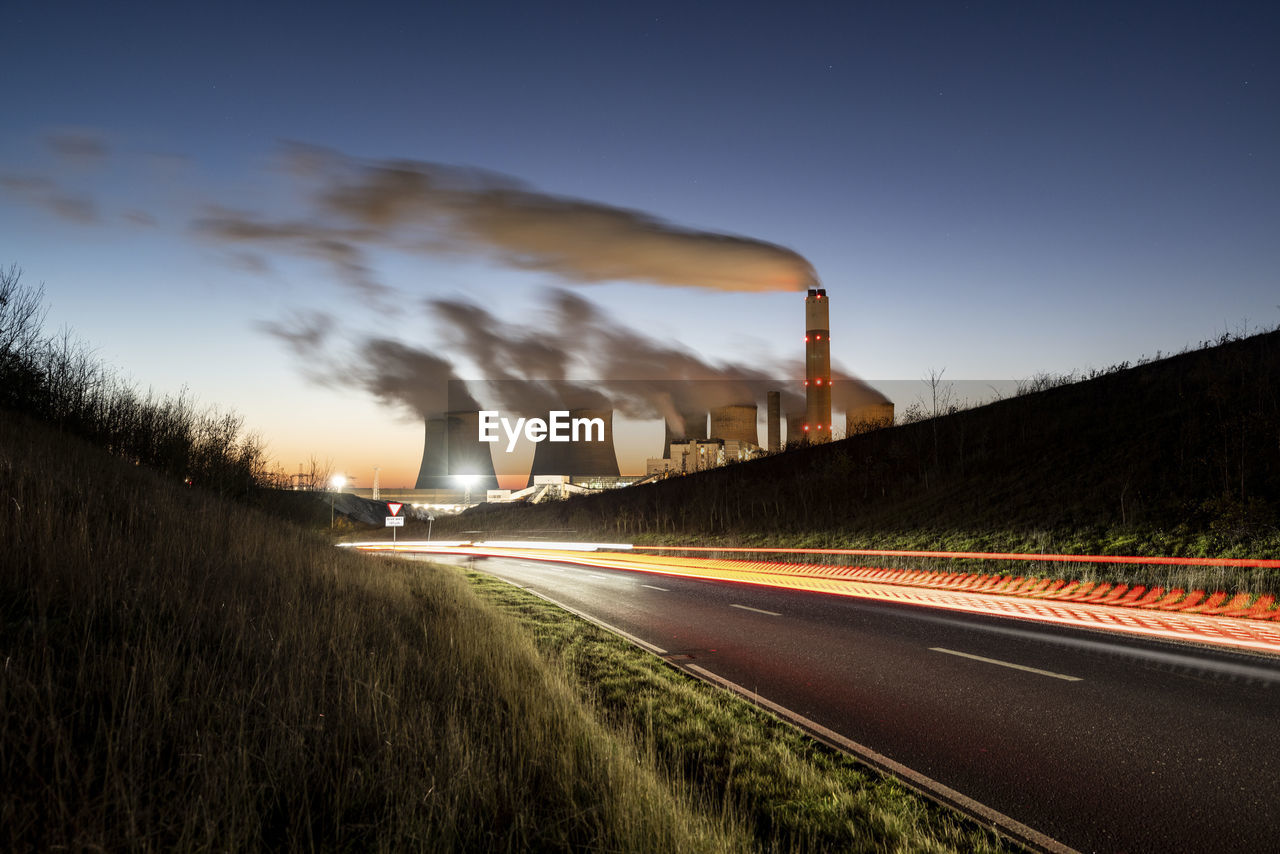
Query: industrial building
<point x="700" y="455"/>
<point x="688" y="457"/>
<point x="692" y="427"/>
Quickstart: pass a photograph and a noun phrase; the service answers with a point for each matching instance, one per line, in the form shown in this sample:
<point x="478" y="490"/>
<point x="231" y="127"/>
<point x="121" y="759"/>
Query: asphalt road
<point x="1102" y="742"/>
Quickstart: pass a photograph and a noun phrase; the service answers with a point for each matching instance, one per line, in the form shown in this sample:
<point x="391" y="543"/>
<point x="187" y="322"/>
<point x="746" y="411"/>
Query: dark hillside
<point x="1180" y="455"/>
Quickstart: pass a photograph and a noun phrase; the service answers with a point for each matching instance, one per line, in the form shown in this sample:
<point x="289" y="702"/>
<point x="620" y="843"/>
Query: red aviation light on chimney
<point x="817" y="385"/>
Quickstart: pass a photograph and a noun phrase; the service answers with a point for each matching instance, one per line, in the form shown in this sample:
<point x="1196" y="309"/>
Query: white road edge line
<point x="640" y="642"/>
<point x="594" y="575"/>
<point x="1009" y="664"/>
<point x="926" y="786"/>
<point x="757" y="610"/>
<point x="651" y="587"/>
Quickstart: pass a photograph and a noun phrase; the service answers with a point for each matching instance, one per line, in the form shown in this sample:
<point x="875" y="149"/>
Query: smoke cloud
<point x="524" y="372"/>
<point x="580" y="357"/>
<point x="646" y="377"/>
<point x="434" y="208"/>
<point x="395" y="373"/>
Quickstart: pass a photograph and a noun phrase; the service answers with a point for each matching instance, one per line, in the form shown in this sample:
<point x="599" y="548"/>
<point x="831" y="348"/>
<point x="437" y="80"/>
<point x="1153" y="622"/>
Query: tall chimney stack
<point x="773" y="429"/>
<point x="817" y="366"/>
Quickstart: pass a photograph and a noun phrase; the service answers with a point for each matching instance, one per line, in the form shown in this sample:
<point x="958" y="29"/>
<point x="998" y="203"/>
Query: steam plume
<point x="402" y="376"/>
<point x="440" y="209"/>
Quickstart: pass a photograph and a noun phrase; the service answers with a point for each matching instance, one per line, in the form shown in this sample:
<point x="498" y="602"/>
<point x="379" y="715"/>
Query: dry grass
<point x="180" y="672"/>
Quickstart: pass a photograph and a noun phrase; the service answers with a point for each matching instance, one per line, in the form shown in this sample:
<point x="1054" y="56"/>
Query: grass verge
<point x="183" y="673"/>
<point x="795" y="793"/>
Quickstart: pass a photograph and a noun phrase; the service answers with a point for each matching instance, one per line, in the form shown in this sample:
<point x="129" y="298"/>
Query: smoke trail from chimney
<point x="579" y="357"/>
<point x="526" y="372"/>
<point x="400" y="375"/>
<point x="434" y="208"/>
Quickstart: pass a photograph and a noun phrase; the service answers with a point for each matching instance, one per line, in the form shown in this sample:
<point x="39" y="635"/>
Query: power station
<point x="694" y="438"/>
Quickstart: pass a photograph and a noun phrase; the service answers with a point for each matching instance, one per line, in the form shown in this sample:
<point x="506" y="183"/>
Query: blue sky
<point x="996" y="189"/>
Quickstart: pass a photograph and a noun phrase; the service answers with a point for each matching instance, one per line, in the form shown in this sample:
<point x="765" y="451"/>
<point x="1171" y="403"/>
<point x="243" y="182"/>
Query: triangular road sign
<point x="394" y="508"/>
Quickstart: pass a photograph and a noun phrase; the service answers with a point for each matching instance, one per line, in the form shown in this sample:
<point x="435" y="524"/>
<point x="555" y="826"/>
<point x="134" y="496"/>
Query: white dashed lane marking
<point x="756" y="610"/>
<point x="1008" y="664"/>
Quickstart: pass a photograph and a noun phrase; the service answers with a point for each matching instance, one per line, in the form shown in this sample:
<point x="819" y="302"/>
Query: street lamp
<point x="337" y="483"/>
<point x="467" y="481"/>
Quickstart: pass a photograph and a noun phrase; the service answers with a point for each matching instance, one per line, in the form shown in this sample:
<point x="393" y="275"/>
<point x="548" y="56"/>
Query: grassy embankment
<point x="183" y="672"/>
<point x="180" y="671"/>
<point x="1179" y="456"/>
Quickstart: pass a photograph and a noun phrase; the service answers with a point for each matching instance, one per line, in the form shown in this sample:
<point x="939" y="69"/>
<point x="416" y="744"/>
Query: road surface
<point x="1102" y="742"/>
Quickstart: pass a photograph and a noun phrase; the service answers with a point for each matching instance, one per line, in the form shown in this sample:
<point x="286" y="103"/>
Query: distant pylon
<point x="375" y="482"/>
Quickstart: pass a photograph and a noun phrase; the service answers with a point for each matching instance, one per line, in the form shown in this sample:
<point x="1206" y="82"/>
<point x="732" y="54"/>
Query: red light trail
<point x="1268" y="563"/>
<point x="1137" y="610"/>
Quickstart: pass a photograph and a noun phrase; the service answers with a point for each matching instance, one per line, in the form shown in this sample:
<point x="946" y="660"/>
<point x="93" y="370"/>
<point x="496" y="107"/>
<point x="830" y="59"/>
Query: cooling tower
<point x="736" y="422"/>
<point x="581" y="458"/>
<point x="695" y="427"/>
<point x="453" y="448"/>
<point x="434" y="462"/>
<point x="817" y="365"/>
<point x="873" y="416"/>
<point x="773" y="429"/>
<point x="795" y="428"/>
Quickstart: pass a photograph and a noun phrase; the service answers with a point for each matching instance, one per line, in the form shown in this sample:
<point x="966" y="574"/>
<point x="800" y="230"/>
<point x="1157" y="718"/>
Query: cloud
<point x="48" y="195"/>
<point x="84" y="147"/>
<point x="139" y="218"/>
<point x="342" y="248"/>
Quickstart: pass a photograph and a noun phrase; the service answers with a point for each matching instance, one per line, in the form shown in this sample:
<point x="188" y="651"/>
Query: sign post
<point x="395" y="520"/>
